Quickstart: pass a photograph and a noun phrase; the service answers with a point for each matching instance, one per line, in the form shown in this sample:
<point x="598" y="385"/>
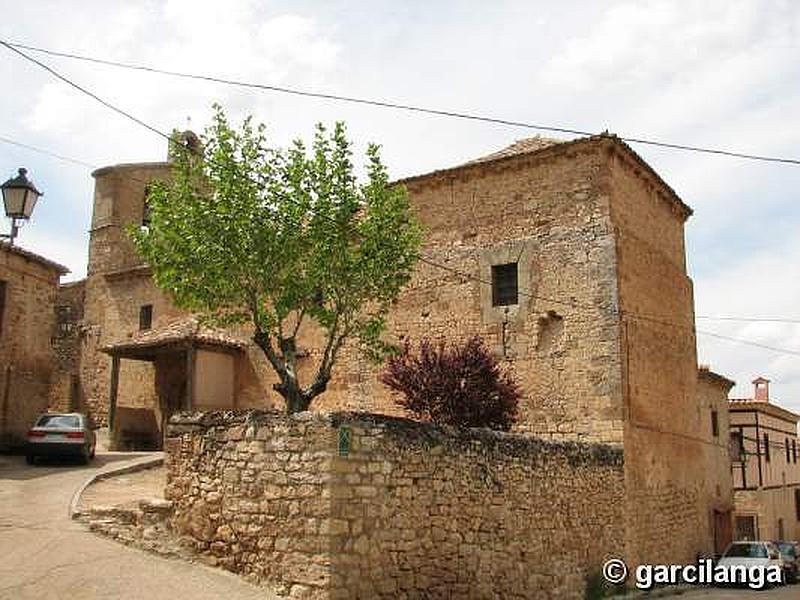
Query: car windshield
<point x="747" y="551"/>
<point x="59" y="421"/>
<point x="787" y="549"/>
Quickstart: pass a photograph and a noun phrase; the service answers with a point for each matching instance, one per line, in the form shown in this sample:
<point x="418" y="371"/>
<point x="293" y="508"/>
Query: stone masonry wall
<point x="546" y="211"/>
<point x="665" y="443"/>
<point x="717" y="490"/>
<point x="550" y="213"/>
<point x="367" y="506"/>
<point x="26" y="359"/>
<point x="65" y="391"/>
<point x="117" y="285"/>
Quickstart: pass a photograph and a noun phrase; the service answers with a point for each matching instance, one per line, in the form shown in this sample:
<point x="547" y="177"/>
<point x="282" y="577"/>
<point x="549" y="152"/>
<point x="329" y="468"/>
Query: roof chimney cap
<point x="761" y="389"/>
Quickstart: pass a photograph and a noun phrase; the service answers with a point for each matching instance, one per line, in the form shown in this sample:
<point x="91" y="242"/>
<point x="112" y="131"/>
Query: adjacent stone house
<point x="712" y="395"/>
<point x="766" y="471"/>
<point x="28" y="288"/>
<point x="567" y="257"/>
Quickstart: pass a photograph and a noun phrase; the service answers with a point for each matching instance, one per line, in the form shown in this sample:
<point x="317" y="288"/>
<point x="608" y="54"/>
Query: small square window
<point x="145" y="317"/>
<point x="504" y="285"/>
<point x="797" y="503"/>
<point x="737" y="446"/>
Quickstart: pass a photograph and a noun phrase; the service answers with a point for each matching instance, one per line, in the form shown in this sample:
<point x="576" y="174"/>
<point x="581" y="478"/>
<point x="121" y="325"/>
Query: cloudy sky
<point x="721" y="73"/>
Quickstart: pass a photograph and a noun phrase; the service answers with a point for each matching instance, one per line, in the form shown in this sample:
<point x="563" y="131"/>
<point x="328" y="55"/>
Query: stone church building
<point x="577" y="265"/>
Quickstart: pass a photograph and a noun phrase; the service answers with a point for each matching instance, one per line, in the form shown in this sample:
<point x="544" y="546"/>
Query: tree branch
<point x="263" y="339"/>
<point x="300" y="314"/>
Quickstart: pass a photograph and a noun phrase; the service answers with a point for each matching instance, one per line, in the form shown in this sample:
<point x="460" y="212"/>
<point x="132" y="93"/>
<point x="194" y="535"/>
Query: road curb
<point x="140" y="464"/>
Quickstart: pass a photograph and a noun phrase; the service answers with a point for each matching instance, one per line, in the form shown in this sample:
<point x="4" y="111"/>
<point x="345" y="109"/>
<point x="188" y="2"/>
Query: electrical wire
<point x="16" y="46"/>
<point x="750" y="319"/>
<point x="573" y="303"/>
<point x="749" y="342"/>
<point x="83" y="90"/>
<point x="75" y="161"/>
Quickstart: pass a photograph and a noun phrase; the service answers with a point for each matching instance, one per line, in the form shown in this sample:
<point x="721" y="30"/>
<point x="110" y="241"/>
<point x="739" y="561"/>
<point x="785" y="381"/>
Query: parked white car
<point x="753" y="558"/>
<point x="61" y="434"/>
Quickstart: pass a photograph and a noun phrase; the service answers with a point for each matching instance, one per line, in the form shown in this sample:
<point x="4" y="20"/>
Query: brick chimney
<point x="761" y="389"/>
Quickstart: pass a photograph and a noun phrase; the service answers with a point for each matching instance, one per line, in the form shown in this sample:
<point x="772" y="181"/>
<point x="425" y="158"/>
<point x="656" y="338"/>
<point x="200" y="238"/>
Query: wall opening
<point x="550" y="331"/>
<point x="504" y="285"/>
<point x="145" y="317"/>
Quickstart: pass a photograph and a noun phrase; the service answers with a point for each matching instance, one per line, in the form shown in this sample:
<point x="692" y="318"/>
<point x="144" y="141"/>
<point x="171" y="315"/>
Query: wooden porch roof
<point x="182" y="333"/>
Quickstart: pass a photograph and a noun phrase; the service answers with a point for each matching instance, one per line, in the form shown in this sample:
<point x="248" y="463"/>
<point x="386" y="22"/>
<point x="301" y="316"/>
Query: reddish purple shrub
<point x="460" y="385"/>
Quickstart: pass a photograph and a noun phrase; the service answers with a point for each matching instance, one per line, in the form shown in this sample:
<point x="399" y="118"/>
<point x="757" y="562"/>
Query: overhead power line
<point x="83" y="90"/>
<point x="572" y="303"/>
<point x="750" y="319"/>
<point x="749" y="342"/>
<point x="75" y="161"/>
<point x="393" y="105"/>
<point x="69" y="159"/>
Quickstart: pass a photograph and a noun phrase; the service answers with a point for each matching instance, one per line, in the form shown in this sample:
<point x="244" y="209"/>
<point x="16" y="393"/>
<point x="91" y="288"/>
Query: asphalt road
<point x="44" y="554"/>
<point x="779" y="593"/>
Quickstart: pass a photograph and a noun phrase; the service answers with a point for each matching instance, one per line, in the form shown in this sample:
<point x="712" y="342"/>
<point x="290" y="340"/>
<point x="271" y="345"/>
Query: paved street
<point x="46" y="555"/>
<point x="780" y="593"/>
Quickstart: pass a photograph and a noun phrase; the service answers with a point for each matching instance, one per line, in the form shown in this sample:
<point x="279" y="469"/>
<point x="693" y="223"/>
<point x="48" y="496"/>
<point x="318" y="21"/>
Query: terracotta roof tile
<point x="184" y="330"/>
<point x="523" y="146"/>
<point x="537" y="144"/>
<point x="62" y="270"/>
<point x="762" y="406"/>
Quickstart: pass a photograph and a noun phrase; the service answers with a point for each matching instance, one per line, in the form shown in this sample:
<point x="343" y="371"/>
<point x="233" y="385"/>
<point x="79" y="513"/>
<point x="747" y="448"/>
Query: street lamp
<point x="19" y="198"/>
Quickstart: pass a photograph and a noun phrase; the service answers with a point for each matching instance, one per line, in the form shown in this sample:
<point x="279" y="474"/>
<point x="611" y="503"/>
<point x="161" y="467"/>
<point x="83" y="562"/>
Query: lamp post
<point x="19" y="198"/>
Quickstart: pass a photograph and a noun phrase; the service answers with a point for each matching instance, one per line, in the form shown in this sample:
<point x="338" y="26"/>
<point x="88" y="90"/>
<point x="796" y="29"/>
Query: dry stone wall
<point x="366" y="506"/>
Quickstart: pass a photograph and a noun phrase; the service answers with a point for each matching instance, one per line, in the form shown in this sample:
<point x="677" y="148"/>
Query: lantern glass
<point x="19" y="196"/>
<point x="14" y="200"/>
<point x="30" y="202"/>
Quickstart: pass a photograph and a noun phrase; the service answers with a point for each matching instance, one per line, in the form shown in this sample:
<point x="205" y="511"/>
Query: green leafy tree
<point x="246" y="233"/>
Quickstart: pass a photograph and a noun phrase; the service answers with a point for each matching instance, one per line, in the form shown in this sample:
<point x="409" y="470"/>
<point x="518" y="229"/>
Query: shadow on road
<point x="14" y="467"/>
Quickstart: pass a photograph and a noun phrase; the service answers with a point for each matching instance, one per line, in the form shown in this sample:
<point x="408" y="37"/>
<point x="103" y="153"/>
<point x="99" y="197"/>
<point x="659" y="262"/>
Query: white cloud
<point x="763" y="285"/>
<point x="716" y="73"/>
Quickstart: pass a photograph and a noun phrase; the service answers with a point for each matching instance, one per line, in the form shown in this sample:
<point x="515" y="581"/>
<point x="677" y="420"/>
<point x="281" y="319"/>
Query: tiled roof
<point x="539" y="144"/>
<point x="742" y="404"/>
<point x="62" y="270"/>
<point x="705" y="372"/>
<point x="523" y="146"/>
<point x="184" y="330"/>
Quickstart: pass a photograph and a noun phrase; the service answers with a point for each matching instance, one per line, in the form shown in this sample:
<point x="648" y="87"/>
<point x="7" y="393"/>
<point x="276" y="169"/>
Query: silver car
<point x="744" y="556"/>
<point x="61" y="434"/>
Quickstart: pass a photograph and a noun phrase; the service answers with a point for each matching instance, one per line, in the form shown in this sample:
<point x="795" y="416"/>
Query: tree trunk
<point x="285" y="365"/>
<point x="296" y="400"/>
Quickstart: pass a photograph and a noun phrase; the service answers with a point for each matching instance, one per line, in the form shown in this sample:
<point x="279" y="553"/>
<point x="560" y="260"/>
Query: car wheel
<point x="30" y="459"/>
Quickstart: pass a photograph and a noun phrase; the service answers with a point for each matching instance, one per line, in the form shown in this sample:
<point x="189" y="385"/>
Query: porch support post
<point x="191" y="355"/>
<point x="112" y="400"/>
